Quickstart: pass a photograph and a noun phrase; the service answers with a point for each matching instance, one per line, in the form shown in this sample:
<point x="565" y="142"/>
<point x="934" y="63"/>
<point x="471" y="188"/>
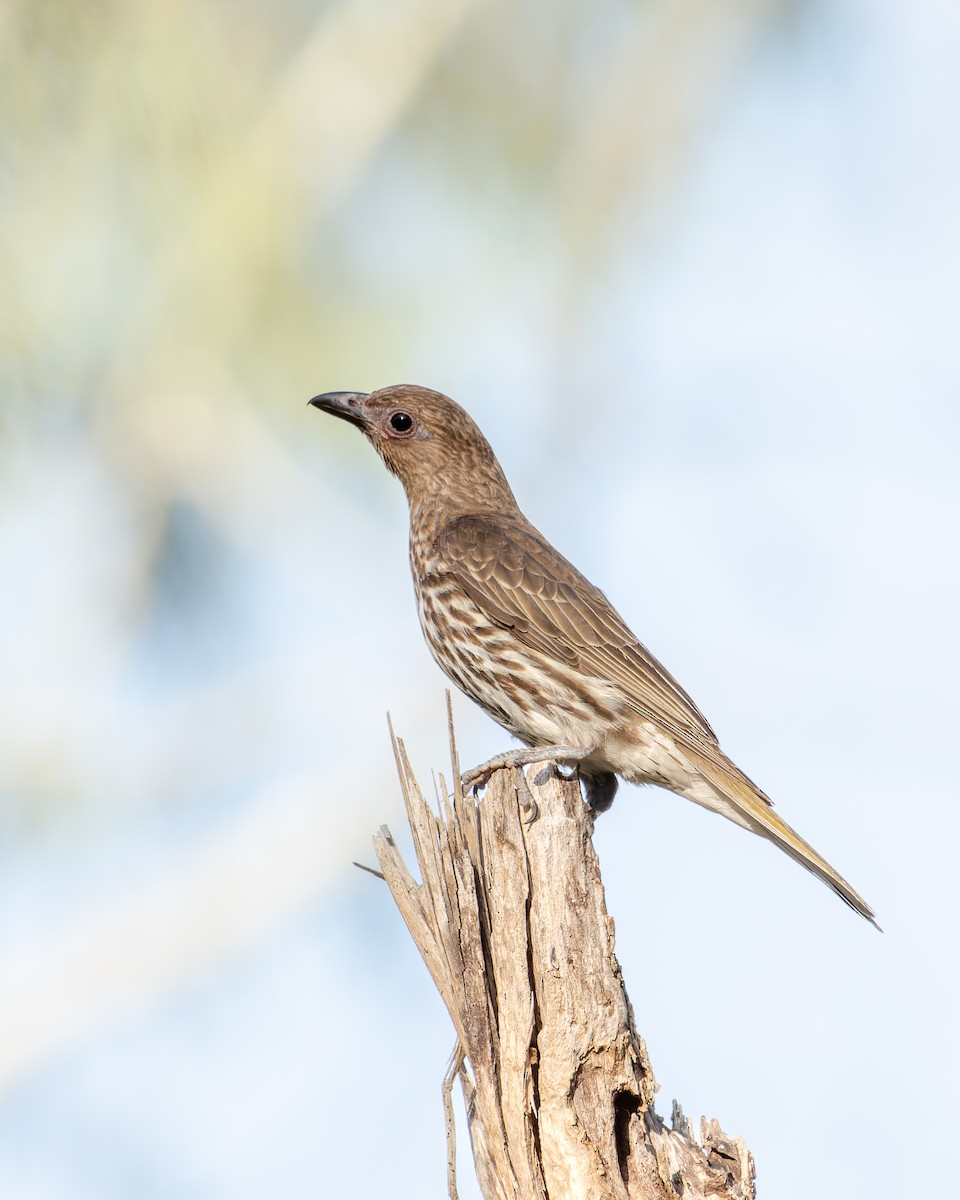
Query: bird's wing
<point x="521" y="583"/>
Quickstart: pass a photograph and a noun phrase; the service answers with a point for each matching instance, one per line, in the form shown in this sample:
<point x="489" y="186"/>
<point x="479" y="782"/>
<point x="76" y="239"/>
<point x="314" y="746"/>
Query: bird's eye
<point x="401" y="422"/>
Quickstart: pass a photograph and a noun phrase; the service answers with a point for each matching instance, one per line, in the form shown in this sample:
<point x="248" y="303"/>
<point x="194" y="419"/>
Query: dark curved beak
<point x="348" y="405"/>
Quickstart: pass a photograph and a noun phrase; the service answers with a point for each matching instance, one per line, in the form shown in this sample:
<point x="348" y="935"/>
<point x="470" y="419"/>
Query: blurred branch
<point x="321" y="125"/>
<point x="338" y="100"/>
<point x="634" y="135"/>
<point x="646" y="108"/>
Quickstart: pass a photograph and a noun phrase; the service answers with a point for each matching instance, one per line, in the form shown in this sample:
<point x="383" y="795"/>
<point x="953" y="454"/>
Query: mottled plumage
<point x="533" y="642"/>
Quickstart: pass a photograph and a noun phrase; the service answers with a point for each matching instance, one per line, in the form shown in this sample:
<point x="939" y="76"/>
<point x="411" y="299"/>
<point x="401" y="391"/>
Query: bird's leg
<point x="523" y="758"/>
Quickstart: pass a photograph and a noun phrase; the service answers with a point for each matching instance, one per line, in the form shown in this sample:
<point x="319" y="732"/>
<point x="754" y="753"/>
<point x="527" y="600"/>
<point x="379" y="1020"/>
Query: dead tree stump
<point x="511" y="921"/>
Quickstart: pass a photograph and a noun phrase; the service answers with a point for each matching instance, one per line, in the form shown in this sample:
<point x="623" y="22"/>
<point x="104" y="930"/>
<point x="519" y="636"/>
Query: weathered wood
<point x="511" y="921"/>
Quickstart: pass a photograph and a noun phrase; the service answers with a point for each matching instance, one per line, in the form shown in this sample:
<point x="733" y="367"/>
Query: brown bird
<point x="533" y="642"/>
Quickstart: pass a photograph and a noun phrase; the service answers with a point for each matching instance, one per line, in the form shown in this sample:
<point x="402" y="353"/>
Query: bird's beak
<point x="348" y="405"/>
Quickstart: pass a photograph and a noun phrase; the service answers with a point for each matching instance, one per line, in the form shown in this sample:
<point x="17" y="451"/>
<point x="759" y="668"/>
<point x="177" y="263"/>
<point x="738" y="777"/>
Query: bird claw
<point x="528" y="800"/>
<point x="473" y="781"/>
<point x="477" y="778"/>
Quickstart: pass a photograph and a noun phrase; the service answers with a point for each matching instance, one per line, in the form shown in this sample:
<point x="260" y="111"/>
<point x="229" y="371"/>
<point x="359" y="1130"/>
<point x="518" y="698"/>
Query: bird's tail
<point x="755" y="811"/>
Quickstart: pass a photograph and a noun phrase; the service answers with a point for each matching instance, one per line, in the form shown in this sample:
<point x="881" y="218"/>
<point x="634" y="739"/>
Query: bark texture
<point x="511" y="921"/>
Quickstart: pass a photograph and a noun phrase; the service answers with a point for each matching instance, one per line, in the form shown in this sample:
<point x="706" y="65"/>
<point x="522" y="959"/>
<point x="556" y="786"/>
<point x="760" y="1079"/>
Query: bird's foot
<point x="567" y="755"/>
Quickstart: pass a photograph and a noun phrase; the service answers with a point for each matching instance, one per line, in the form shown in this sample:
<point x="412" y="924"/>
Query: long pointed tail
<point x="755" y="811"/>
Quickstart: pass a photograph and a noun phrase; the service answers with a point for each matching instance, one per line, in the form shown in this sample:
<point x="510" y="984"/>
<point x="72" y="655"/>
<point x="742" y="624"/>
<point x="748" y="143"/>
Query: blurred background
<point x="694" y="269"/>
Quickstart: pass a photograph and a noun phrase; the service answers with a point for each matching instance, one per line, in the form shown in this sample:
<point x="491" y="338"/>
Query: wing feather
<point x="521" y="583"/>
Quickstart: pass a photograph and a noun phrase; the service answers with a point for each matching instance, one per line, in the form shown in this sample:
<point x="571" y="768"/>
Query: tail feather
<point x="756" y="811"/>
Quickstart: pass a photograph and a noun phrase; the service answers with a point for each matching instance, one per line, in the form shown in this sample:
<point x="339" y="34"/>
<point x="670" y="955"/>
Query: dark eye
<point x="401" y="422"/>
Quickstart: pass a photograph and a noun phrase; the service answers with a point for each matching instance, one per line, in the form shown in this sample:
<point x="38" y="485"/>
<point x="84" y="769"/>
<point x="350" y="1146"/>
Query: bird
<point x="536" y="645"/>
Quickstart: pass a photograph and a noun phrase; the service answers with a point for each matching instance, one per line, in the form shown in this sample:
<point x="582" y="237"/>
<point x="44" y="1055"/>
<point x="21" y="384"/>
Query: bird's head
<point x="428" y="442"/>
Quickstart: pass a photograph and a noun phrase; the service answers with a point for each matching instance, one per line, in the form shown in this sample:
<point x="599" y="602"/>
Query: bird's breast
<point x="541" y="701"/>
